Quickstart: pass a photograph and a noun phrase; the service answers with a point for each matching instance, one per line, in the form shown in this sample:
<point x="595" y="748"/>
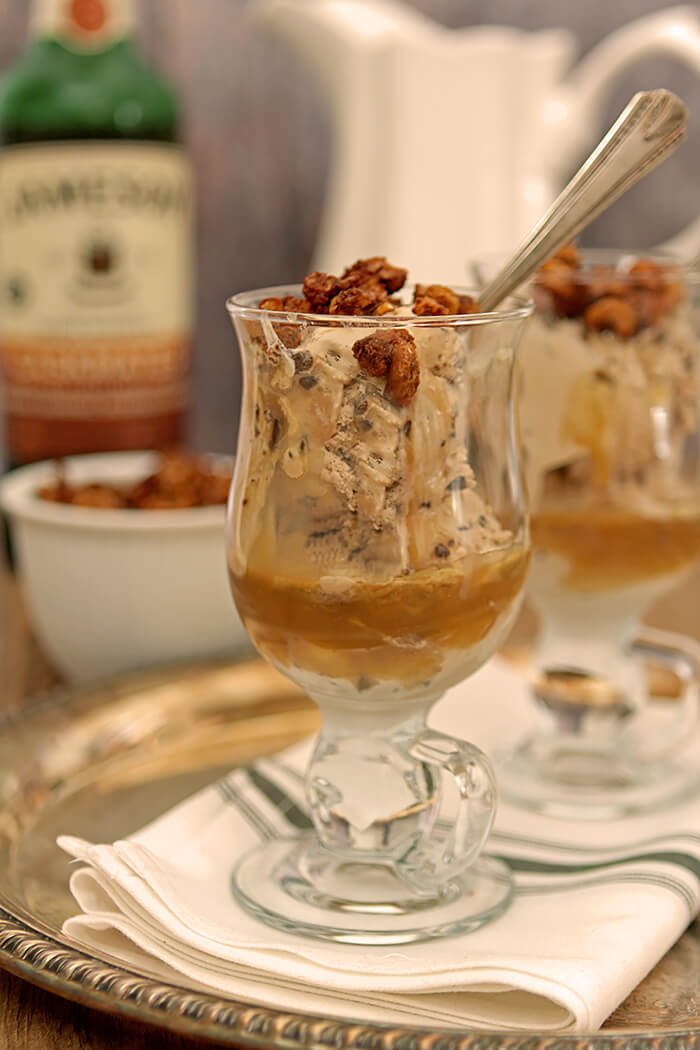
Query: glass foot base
<point x="575" y="784"/>
<point x="295" y="886"/>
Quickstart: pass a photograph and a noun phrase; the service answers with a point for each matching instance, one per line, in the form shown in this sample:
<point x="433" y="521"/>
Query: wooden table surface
<point x="32" y="1019"/>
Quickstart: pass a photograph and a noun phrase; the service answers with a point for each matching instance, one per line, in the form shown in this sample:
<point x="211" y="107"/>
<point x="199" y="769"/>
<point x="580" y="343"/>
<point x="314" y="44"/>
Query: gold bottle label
<point x="95" y="294"/>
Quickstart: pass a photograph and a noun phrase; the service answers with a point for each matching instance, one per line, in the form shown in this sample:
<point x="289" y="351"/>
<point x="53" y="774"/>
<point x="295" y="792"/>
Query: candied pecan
<point x="319" y="289"/>
<point x="426" y="306"/>
<point x="653" y="306"/>
<point x="468" y="305"/>
<point x="177" y="469"/>
<point x="357" y="300"/>
<point x="566" y="290"/>
<point x="441" y="294"/>
<point x="439" y="300"/>
<point x="650" y="306"/>
<point x="374" y="352"/>
<point x="647" y="274"/>
<point x="214" y="489"/>
<point x="289" y="334"/>
<point x="377" y="268"/>
<point x="616" y="315"/>
<point x="296" y="305"/>
<point x="100" y="496"/>
<point x="404" y="371"/>
<point x="273" y="302"/>
<point x="604" y="280"/>
<point x="674" y="289"/>
<point x="180" y="481"/>
<point x="569" y="254"/>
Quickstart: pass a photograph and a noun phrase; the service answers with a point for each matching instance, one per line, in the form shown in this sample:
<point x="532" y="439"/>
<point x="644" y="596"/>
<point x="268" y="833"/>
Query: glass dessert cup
<point x="609" y="411"/>
<point x="377" y="549"/>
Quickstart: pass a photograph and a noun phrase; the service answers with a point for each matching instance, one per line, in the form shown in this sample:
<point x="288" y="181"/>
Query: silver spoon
<point x="647" y="131"/>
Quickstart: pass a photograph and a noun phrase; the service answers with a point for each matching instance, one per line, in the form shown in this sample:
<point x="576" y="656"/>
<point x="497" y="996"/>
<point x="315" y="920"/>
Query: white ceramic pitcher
<point x="451" y="143"/>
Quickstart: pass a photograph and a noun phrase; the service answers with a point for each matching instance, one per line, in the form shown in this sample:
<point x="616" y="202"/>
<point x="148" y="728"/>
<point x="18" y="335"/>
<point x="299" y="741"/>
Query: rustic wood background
<point x="260" y="137"/>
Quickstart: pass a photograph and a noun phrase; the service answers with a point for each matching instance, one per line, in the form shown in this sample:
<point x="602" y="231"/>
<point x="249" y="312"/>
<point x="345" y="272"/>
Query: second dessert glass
<point x="377" y="549"/>
<point x="610" y="415"/>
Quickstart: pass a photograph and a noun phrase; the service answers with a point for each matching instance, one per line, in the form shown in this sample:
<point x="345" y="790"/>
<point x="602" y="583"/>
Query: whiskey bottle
<point x="95" y="240"/>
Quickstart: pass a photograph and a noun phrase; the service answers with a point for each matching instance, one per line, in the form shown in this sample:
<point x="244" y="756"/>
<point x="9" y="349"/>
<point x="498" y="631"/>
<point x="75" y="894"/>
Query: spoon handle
<point x="646" y="132"/>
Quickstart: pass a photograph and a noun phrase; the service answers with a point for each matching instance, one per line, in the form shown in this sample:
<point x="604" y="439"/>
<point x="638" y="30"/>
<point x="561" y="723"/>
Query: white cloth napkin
<point x="597" y="903"/>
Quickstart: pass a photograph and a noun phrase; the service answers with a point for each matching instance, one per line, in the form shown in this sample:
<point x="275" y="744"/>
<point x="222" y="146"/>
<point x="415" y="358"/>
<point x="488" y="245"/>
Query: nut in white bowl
<point x="113" y="590"/>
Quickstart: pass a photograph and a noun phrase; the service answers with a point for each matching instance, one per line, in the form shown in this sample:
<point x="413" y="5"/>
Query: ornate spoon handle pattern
<point x="648" y="130"/>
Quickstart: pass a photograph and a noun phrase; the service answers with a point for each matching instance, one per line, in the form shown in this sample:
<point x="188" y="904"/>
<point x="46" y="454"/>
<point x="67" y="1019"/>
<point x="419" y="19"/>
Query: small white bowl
<point x="118" y="590"/>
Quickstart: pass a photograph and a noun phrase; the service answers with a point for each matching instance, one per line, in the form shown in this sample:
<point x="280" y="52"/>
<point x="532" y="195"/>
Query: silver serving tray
<point x="101" y="762"/>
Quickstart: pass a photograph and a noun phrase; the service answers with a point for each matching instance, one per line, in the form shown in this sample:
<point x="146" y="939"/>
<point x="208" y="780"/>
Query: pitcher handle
<point x="674" y="32"/>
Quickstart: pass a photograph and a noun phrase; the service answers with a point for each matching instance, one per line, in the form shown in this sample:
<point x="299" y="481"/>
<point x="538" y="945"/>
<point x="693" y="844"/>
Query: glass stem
<point x="369" y="798"/>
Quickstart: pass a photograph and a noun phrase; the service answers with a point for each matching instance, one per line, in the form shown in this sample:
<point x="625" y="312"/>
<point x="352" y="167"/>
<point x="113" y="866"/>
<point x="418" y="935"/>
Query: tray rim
<point x="71" y="972"/>
<point x="80" y="977"/>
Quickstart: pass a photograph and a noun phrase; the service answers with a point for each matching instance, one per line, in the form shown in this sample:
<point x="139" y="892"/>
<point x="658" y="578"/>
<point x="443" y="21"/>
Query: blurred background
<point x="258" y="132"/>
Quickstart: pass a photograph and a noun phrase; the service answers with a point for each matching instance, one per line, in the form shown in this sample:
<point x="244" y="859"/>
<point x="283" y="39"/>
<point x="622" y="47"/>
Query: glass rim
<point x="686" y="269"/>
<point x="242" y="305"/>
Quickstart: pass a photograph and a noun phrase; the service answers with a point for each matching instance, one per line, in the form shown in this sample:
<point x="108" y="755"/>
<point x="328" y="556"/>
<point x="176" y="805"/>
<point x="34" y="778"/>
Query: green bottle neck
<point x="83" y="26"/>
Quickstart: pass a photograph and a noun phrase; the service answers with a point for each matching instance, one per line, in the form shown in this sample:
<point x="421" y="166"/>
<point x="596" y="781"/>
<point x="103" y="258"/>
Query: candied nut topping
<point x="569" y="254"/>
<point x="612" y="314"/>
<point x="367" y="288"/>
<point x="468" y="305"/>
<point x="99" y="496"/>
<point x="426" y="306"/>
<point x="564" y="287"/>
<point x="180" y="481"/>
<point x="375" y="269"/>
<point x="375" y="351"/>
<point x="605" y="281"/>
<point x="404" y="373"/>
<point x="293" y="304"/>
<point x="436" y="300"/>
<point x="446" y="298"/>
<point x="272" y="303"/>
<point x="319" y="289"/>
<point x="646" y="274"/>
<point x="290" y="334"/>
<point x="605" y="298"/>
<point x="289" y="302"/>
<point x="391" y="353"/>
<point x="358" y="300"/>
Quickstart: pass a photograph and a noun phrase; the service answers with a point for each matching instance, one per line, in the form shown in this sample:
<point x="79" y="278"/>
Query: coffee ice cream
<point x="364" y="550"/>
<point x="609" y="425"/>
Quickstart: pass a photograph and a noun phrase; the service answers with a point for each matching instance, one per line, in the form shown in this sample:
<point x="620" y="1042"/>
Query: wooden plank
<point x="32" y="1019"/>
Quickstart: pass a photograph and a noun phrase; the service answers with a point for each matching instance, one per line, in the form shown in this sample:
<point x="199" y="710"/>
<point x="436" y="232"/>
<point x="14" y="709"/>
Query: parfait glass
<point x="610" y="424"/>
<point x="377" y="550"/>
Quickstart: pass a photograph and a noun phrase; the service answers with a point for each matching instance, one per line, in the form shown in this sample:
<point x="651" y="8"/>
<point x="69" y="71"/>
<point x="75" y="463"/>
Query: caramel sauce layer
<point x="609" y="547"/>
<point x="396" y="630"/>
